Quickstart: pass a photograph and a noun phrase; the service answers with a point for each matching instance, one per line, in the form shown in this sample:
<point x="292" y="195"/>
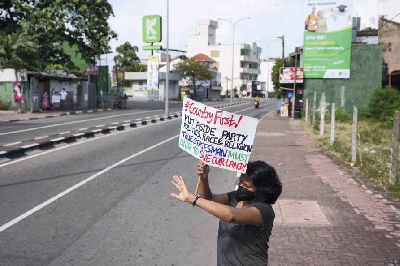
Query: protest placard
<point x="218" y="138"/>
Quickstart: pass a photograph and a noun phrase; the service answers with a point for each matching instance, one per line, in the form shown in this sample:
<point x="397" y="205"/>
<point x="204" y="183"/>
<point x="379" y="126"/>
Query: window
<point x="140" y="83"/>
<point x="214" y="53"/>
<point x="244" y="52"/>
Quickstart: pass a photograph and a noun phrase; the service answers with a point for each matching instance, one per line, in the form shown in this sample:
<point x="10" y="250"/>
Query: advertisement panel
<point x="286" y="75"/>
<point x="327" y="38"/>
<point x="152" y="28"/>
<point x="152" y="72"/>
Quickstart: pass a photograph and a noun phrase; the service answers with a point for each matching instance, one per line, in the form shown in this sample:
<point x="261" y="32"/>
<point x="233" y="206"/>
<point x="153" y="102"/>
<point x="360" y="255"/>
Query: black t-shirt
<point x="246" y="245"/>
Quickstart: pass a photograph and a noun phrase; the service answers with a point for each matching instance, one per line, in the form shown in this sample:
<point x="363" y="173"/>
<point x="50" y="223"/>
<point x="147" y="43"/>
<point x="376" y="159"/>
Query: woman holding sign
<point x="246" y="215"/>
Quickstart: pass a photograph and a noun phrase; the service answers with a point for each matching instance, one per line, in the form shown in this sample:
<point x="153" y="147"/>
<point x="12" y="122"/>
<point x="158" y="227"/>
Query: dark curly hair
<point x="266" y="180"/>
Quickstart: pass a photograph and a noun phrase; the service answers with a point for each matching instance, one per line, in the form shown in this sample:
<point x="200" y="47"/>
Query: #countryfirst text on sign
<point x="219" y="138"/>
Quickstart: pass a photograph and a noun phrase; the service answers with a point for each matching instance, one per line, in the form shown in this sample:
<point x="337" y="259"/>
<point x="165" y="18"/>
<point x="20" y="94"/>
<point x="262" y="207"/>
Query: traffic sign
<point x="152" y="28"/>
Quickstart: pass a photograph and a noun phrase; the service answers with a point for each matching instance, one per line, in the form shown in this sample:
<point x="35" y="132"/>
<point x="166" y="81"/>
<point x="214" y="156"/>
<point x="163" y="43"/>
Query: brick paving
<point x="364" y="227"/>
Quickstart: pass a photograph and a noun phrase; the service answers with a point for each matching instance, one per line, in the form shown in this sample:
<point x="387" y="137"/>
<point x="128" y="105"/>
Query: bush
<point x="384" y="102"/>
<point x="342" y="115"/>
<point x="4" y="106"/>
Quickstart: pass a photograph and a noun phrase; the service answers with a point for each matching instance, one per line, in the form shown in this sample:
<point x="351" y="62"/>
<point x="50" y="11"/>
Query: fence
<point x="358" y="138"/>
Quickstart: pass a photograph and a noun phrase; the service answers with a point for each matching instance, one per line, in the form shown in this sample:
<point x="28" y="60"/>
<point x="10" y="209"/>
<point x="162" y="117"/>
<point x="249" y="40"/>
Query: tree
<point x="127" y="57"/>
<point x="18" y="50"/>
<point x="192" y="70"/>
<point x="275" y="78"/>
<point x="51" y="23"/>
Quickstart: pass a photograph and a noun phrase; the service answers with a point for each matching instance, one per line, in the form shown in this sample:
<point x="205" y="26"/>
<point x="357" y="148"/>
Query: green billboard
<point x="327" y="39"/>
<point x="152" y="28"/>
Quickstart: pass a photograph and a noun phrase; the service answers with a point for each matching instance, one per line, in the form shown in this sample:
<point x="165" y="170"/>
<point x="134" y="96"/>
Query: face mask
<point x="243" y="194"/>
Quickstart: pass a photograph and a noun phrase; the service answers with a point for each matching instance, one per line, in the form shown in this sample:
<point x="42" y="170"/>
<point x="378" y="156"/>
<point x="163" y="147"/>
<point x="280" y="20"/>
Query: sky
<point x="269" y="19"/>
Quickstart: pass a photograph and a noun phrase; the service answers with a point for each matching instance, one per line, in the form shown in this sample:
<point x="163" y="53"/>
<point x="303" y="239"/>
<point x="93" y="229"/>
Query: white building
<point x="246" y="57"/>
<point x="265" y="76"/>
<point x="210" y="89"/>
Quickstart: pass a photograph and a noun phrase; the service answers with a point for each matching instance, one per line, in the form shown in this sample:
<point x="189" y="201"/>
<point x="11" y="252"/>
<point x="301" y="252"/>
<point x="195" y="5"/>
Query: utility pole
<point x="283" y="49"/>
<point x="101" y="83"/>
<point x="294" y="87"/>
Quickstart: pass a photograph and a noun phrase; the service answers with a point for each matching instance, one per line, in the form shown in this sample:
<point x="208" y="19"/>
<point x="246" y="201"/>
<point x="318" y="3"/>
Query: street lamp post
<point x="233" y="49"/>
<point x="167" y="62"/>
<point x="268" y="44"/>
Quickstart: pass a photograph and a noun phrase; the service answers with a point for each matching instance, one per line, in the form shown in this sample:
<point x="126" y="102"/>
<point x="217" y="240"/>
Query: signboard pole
<point x="294" y="87"/>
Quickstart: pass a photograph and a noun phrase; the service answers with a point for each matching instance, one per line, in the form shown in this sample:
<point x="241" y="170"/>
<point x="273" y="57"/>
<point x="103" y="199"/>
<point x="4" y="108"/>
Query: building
<point x="246" y="66"/>
<point x="35" y="84"/>
<point x="389" y="38"/>
<point x="203" y="90"/>
<point x="266" y="67"/>
<point x="138" y="86"/>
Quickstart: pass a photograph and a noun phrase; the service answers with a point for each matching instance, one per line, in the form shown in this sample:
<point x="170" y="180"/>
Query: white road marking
<point x="87" y="180"/>
<point x="73" y="122"/>
<point x="78" y="134"/>
<point x="30" y="145"/>
<point x="41" y="137"/>
<point x="12" y="144"/>
<point x="57" y="139"/>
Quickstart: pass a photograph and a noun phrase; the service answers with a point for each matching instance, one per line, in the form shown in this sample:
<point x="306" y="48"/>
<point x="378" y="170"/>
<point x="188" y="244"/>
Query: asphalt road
<point x="106" y="201"/>
<point x="11" y="132"/>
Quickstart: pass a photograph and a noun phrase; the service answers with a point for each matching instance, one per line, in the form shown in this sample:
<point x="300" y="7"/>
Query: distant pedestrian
<point x="124" y="100"/>
<point x="63" y="98"/>
<point x="45" y="103"/>
<point x="17" y="90"/>
<point x="246" y="215"/>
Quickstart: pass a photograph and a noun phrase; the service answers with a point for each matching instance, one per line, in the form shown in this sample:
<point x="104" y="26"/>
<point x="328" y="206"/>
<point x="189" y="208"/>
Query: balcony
<point x="247" y="58"/>
<point x="252" y="71"/>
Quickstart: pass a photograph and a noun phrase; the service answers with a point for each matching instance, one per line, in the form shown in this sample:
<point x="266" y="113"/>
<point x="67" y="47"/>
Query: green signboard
<point x="327" y="39"/>
<point x="151" y="47"/>
<point x="152" y="28"/>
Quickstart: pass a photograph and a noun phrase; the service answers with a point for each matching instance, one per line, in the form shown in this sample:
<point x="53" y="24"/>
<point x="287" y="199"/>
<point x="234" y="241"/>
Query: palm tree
<point x="18" y="50"/>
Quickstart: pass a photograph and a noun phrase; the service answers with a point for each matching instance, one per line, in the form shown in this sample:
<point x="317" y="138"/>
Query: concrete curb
<point x="13" y="149"/>
<point x="62" y="114"/>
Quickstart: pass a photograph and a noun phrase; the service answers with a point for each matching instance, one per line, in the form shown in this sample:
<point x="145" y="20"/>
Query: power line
<point x="365" y="36"/>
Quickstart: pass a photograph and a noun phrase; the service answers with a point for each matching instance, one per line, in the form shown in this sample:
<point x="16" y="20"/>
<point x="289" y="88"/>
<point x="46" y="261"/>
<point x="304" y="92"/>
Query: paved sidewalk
<point x="328" y="213"/>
